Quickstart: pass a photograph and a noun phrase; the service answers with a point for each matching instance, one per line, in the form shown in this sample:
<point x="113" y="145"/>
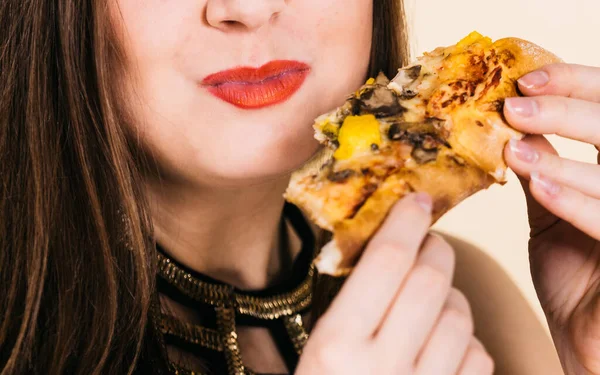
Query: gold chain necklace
<point x="228" y="303"/>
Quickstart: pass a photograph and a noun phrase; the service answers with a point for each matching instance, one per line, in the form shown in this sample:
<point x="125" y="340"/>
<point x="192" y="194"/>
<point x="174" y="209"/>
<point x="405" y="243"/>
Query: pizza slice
<point x="436" y="127"/>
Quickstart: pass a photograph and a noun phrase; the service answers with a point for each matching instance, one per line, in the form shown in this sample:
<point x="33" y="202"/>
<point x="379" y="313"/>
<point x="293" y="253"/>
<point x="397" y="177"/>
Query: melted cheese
<point x="329" y="128"/>
<point x="471" y="39"/>
<point x="458" y="57"/>
<point x="356" y="135"/>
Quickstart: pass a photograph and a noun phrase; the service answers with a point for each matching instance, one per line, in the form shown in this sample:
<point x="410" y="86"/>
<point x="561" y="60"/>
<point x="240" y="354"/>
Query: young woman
<point x="145" y="146"/>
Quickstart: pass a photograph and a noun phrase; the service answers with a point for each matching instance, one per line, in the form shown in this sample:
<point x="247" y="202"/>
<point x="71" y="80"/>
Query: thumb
<point x="540" y="218"/>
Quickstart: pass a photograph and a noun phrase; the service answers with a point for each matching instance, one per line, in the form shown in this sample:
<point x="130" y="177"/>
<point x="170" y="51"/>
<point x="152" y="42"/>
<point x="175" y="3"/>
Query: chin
<point x="277" y="163"/>
<point x="261" y="157"/>
<point x="258" y="149"/>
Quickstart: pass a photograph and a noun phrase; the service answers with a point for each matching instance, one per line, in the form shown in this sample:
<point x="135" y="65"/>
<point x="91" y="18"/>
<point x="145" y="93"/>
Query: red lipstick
<point x="253" y="88"/>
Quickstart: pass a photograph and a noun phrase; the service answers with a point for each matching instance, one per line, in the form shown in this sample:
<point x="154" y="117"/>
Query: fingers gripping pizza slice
<point x="436" y="127"/>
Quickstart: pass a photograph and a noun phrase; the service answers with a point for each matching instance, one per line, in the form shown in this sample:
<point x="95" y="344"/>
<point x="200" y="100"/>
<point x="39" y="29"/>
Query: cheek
<point x="346" y="24"/>
<point x="342" y="32"/>
<point x="156" y="29"/>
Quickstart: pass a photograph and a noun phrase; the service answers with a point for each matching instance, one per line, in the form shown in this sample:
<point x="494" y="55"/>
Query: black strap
<point x="300" y="269"/>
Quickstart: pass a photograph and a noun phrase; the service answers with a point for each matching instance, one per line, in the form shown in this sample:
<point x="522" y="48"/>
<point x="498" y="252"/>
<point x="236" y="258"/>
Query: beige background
<point x="495" y="220"/>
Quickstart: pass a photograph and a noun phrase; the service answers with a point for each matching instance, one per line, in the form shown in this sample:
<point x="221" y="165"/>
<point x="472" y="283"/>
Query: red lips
<point x="253" y="88"/>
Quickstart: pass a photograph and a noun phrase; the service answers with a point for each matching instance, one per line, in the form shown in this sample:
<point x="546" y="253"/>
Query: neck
<point x="232" y="235"/>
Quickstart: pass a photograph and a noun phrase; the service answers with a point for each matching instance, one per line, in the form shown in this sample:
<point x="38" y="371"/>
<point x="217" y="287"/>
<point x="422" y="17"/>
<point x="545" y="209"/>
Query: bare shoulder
<point x="504" y="320"/>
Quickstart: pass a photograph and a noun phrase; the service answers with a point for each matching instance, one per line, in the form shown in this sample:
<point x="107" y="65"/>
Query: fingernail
<point x="424" y="200"/>
<point x="534" y="80"/>
<point x="523" y="151"/>
<point x="548" y="186"/>
<point x="523" y="107"/>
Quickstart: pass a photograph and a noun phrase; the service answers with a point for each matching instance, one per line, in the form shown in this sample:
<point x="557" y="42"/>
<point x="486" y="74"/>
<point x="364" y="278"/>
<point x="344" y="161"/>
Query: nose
<point x="248" y="14"/>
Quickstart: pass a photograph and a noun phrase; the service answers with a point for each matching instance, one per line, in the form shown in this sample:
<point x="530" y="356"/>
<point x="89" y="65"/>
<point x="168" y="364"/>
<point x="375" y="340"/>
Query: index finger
<point x="382" y="268"/>
<point x="570" y="118"/>
<point x="569" y="80"/>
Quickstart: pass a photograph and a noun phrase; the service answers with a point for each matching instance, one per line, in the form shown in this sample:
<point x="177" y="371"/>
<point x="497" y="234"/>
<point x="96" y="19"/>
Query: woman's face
<point x="246" y="124"/>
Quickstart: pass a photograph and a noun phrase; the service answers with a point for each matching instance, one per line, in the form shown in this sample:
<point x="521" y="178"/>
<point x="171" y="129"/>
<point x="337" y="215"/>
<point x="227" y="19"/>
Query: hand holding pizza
<point x="563" y="199"/>
<point x="397" y="313"/>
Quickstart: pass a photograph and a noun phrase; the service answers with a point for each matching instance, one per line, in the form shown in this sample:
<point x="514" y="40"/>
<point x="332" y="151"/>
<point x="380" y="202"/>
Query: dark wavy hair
<point x="76" y="284"/>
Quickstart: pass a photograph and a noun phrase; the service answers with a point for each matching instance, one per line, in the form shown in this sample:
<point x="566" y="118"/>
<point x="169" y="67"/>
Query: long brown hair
<point x="76" y="283"/>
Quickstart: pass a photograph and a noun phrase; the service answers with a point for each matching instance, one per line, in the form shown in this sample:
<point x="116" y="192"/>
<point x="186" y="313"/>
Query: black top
<point x="153" y="359"/>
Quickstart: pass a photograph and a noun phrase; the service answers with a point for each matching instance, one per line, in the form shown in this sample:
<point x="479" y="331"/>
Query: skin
<point x="504" y="320"/>
<point x="414" y="323"/>
<point x="564" y="206"/>
<point x="222" y="167"/>
<point x="223" y="171"/>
